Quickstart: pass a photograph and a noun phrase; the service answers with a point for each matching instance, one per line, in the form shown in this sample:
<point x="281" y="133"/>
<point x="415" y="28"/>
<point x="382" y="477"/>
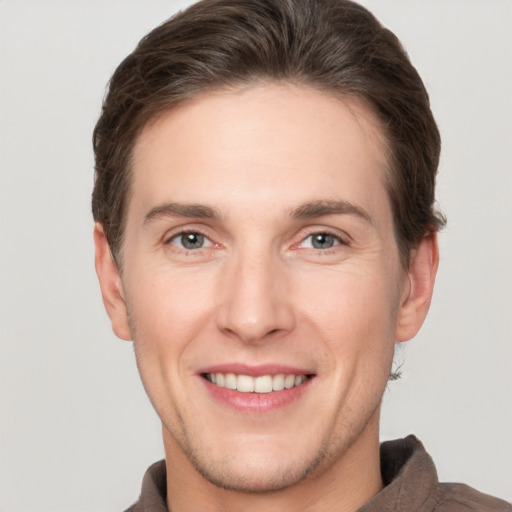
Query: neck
<point x="344" y="483"/>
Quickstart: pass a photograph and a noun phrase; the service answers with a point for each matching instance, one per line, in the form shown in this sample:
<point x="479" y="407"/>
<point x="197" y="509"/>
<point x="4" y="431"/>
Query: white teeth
<point x="289" y="381"/>
<point x="245" y="384"/>
<point x="278" y="382"/>
<point x="230" y="381"/>
<point x="261" y="384"/>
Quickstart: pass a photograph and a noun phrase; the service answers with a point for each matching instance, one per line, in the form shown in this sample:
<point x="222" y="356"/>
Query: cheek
<point x="356" y="312"/>
<point x="167" y="312"/>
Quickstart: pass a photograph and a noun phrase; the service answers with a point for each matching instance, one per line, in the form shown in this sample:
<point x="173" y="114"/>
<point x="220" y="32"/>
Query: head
<point x="339" y="48"/>
<point x="264" y="200"/>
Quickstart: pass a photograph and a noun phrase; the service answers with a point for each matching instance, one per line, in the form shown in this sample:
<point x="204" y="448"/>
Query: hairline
<point x="349" y="99"/>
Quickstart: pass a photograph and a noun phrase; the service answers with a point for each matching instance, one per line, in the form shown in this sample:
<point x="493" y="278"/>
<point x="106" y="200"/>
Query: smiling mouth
<point x="260" y="384"/>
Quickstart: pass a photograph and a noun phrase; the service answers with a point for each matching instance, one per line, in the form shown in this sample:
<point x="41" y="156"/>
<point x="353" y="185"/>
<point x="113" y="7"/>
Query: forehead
<point x="244" y="145"/>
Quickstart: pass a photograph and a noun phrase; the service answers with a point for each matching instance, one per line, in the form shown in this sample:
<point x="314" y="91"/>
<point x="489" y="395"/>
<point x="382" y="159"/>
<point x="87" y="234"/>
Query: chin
<point x="253" y="464"/>
<point x="258" y="476"/>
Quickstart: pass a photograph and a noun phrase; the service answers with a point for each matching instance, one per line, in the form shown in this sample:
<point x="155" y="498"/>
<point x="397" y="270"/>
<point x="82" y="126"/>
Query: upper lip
<point x="255" y="370"/>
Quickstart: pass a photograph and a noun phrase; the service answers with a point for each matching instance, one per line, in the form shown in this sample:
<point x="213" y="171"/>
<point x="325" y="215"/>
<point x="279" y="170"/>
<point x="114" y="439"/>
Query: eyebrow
<point x="305" y="211"/>
<point x="319" y="208"/>
<point x="181" y="210"/>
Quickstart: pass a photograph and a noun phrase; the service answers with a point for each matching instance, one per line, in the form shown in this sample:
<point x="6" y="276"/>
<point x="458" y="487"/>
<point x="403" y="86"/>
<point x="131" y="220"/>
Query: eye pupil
<point x="192" y="240"/>
<point x="322" y="241"/>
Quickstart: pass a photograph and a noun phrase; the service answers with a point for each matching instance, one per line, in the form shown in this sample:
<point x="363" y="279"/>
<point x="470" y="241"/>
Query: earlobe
<point x="418" y="293"/>
<point x="111" y="285"/>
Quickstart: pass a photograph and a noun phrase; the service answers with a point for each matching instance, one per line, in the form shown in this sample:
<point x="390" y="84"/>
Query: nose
<point x="255" y="300"/>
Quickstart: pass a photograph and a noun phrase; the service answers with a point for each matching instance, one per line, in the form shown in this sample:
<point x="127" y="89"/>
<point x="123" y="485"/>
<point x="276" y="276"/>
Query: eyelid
<point x="188" y="227"/>
<point x="183" y="231"/>
<point x="341" y="236"/>
<point x="337" y="242"/>
<point x="178" y="236"/>
<point x="179" y="231"/>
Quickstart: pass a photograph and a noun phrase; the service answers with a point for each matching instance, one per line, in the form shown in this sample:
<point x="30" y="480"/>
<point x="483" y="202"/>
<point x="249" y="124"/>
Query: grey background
<point x="77" y="431"/>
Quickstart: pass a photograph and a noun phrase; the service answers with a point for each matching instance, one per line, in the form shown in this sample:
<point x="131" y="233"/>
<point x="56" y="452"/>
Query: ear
<point x="421" y="275"/>
<point x="111" y="285"/>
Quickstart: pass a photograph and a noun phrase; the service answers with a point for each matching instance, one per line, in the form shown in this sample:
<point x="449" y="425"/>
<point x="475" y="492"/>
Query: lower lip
<point x="256" y="402"/>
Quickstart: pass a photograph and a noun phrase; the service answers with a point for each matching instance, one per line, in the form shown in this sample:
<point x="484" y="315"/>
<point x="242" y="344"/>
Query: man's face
<point x="260" y="253"/>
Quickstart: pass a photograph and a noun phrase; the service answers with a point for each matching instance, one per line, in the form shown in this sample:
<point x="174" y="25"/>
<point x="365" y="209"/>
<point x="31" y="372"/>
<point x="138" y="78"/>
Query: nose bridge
<point x="255" y="302"/>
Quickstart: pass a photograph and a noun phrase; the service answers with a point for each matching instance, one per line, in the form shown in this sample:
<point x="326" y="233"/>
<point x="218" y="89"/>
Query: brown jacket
<point x="409" y="476"/>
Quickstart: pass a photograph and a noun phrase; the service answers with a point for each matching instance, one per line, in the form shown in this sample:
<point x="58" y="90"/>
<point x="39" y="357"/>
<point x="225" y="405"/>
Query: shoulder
<point x="454" y="497"/>
<point x="411" y="484"/>
<point x="153" y="492"/>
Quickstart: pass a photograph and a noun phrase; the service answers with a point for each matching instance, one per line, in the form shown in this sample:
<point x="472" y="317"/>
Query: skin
<point x="258" y="292"/>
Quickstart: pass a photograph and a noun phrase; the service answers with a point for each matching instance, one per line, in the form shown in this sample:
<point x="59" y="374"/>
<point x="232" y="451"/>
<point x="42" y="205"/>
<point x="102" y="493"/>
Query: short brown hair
<point x="331" y="45"/>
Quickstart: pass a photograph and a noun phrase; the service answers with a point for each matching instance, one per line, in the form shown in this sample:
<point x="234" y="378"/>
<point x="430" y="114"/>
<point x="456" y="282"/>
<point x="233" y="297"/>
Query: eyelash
<point x="337" y="241"/>
<point x="181" y="234"/>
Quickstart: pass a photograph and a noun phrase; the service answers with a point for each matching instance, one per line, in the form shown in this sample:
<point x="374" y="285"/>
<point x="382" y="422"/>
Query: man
<point x="265" y="233"/>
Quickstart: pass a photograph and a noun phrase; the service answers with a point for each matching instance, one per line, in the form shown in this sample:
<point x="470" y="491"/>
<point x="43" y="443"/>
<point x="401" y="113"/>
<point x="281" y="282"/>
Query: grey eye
<point x="190" y="241"/>
<point x="323" y="241"/>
